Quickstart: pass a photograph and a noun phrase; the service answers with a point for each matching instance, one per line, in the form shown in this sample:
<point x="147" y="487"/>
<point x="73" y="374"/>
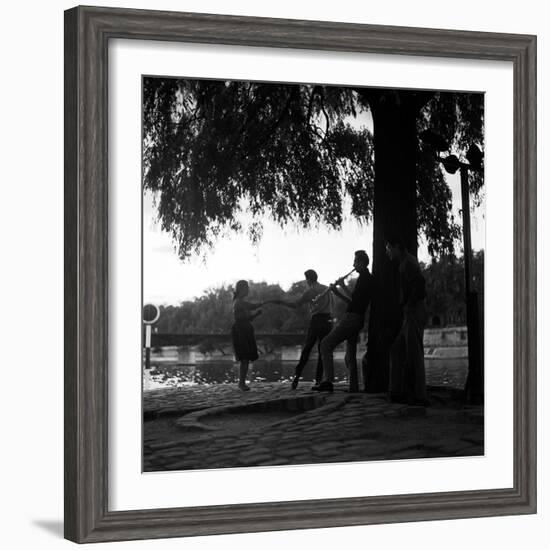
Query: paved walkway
<point x="218" y="426"/>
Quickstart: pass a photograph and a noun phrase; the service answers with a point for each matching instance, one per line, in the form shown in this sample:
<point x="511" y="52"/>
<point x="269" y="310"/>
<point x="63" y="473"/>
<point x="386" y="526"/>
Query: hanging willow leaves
<point x="290" y="153"/>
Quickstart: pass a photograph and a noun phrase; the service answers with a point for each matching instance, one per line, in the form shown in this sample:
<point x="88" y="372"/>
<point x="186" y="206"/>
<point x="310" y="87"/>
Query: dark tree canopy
<point x="288" y="152"/>
<point x="285" y="151"/>
<point x="458" y="119"/>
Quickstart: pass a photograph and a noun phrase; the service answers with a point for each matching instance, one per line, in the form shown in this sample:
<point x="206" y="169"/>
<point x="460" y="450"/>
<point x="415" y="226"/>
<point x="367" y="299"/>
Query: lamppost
<point x="451" y="163"/>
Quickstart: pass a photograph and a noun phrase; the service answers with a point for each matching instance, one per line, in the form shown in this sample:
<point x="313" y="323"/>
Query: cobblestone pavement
<point x="218" y="426"/>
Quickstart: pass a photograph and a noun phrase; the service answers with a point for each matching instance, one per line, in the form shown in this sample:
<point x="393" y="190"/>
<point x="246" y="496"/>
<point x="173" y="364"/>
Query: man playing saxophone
<point x="350" y="325"/>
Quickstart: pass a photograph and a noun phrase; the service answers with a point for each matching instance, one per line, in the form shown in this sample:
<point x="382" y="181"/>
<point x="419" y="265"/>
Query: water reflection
<point x="449" y="372"/>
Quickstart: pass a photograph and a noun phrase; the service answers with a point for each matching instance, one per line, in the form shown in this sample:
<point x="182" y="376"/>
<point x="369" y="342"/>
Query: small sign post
<point x="151" y="314"/>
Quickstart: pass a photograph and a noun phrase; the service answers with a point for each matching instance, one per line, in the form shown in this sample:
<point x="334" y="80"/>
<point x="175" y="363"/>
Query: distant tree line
<point x="445" y="288"/>
<point x="212" y="313"/>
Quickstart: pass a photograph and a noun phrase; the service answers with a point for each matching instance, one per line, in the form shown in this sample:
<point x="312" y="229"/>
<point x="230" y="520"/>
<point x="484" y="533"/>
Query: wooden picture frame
<point x="87" y="34"/>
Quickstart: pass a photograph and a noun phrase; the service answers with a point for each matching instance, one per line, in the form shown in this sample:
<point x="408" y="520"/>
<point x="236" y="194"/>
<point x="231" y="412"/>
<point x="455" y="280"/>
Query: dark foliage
<point x="287" y="152"/>
<point x="212" y="148"/>
<point x="458" y="119"/>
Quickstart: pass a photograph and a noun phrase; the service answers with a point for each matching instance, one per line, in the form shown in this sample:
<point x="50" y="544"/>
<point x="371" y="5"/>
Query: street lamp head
<point x="451" y="164"/>
<point x="435" y="140"/>
<point x="475" y="157"/>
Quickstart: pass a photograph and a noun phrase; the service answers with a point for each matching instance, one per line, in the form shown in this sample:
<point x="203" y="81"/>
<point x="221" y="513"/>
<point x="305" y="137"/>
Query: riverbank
<point x="218" y="426"/>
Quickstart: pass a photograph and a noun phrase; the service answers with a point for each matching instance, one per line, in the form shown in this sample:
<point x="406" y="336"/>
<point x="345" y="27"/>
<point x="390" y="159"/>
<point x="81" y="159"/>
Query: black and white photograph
<point x="312" y="273"/>
<point x="273" y="275"/>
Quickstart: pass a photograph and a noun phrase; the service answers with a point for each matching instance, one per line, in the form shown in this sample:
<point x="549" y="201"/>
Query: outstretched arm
<point x="253" y="305"/>
<point x="294" y="304"/>
<point x="244" y="313"/>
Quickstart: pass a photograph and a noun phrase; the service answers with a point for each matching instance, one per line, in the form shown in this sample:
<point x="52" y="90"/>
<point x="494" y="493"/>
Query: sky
<point x="281" y="256"/>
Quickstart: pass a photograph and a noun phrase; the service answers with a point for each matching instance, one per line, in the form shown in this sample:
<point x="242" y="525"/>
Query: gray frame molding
<point x="87" y="32"/>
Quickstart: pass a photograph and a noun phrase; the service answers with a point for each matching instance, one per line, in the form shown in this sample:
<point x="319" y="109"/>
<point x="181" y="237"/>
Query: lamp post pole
<point x="475" y="379"/>
<point x="451" y="163"/>
<point x="466" y="228"/>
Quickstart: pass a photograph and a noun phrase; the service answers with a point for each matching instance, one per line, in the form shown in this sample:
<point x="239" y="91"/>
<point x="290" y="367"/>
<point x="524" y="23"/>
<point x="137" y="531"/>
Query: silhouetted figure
<point x="351" y="324"/>
<point x="319" y="301"/>
<point x="242" y="332"/>
<point x="407" y="373"/>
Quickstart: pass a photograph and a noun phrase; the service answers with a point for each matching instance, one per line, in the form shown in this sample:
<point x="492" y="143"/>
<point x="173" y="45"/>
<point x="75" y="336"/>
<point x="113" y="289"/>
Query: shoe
<point x="294" y="384"/>
<point x="325" y="386"/>
<point x="315" y="387"/>
<point x="244" y="387"/>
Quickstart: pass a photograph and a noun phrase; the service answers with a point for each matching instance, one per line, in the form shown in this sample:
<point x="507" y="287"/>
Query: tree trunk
<point x="395" y="151"/>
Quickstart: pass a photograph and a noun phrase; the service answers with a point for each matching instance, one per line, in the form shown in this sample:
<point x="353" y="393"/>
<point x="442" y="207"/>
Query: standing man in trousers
<point x="407" y="373"/>
<point x="351" y="324"/>
<point x="320" y="308"/>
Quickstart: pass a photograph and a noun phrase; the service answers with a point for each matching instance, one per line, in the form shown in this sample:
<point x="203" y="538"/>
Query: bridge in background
<point x="433" y="337"/>
<point x="279" y="339"/>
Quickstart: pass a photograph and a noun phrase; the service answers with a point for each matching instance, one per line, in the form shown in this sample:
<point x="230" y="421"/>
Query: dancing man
<point x="320" y="307"/>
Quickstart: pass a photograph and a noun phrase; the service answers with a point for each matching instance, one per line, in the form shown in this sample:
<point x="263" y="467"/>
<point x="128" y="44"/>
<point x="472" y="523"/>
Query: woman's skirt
<point x="244" y="341"/>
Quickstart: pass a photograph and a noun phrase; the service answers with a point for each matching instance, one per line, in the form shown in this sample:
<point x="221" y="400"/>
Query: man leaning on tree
<point x="407" y="373"/>
<point x="350" y="325"/>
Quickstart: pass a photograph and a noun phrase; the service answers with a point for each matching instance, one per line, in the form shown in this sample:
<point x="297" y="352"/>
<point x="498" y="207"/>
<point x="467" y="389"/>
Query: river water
<point x="450" y="372"/>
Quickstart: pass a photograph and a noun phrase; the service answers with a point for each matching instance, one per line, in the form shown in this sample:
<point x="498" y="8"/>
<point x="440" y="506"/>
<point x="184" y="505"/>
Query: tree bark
<point x="395" y="155"/>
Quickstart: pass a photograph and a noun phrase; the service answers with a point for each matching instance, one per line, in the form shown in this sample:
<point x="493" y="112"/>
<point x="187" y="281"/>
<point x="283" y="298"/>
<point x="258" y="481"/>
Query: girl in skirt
<point x="242" y="332"/>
